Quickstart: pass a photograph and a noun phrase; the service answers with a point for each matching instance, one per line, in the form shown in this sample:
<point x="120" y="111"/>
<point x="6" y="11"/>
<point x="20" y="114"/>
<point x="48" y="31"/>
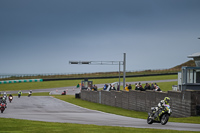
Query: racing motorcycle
<point x="2" y="107"/>
<point x="30" y="93"/>
<point x="154" y="117"/>
<point x="10" y="98"/>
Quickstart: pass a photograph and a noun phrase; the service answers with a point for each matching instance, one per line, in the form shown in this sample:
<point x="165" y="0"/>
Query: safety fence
<point x="20" y="81"/>
<point x="183" y="104"/>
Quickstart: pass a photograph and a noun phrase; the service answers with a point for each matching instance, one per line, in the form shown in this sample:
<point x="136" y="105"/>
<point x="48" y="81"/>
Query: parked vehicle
<point x="159" y="116"/>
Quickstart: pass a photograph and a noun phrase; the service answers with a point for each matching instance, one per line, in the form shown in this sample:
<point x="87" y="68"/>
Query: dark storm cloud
<point x="54" y="30"/>
<point x="35" y="17"/>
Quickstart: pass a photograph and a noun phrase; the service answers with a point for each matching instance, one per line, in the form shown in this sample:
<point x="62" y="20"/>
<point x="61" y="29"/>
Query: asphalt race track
<point x="47" y="108"/>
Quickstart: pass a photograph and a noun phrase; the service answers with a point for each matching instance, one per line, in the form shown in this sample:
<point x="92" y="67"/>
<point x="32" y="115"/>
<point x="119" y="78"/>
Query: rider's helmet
<point x="166" y="99"/>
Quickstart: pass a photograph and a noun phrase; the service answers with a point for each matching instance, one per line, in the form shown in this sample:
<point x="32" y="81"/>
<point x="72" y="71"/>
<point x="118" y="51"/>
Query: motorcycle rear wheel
<point x="2" y="111"/>
<point x="164" y="119"/>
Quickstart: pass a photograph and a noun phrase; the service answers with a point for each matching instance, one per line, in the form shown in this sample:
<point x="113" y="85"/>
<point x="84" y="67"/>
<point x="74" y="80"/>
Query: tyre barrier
<point x="20" y="81"/>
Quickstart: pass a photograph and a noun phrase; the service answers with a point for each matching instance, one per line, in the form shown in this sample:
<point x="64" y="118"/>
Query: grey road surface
<point x="47" y="108"/>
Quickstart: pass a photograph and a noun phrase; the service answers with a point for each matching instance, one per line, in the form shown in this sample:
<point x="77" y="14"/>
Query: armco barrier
<point x="183" y="104"/>
<point x="20" y="81"/>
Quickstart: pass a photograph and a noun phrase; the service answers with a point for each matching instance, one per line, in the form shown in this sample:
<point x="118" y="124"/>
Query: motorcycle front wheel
<point x="164" y="119"/>
<point x="149" y="120"/>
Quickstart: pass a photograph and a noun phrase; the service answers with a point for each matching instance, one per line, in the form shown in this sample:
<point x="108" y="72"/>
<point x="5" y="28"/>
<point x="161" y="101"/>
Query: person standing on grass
<point x="147" y="86"/>
<point x="136" y="86"/>
<point x="129" y="87"/>
<point x="126" y="88"/>
<point x="152" y="87"/>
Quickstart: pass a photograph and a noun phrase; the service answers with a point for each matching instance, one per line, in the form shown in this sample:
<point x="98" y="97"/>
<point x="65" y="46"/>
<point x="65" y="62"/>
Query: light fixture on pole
<point x="107" y="63"/>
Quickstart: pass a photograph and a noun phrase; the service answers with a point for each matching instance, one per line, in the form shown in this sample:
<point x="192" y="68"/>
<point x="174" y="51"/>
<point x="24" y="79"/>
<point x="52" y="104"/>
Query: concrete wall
<point x="183" y="104"/>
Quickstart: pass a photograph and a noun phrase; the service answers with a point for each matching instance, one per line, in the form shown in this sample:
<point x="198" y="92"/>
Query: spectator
<point x="152" y="87"/>
<point x="147" y="86"/>
<point x="113" y="88"/>
<point x="126" y="88"/>
<point x="95" y="88"/>
<point x="157" y="88"/>
<point x="117" y="87"/>
<point x="129" y="87"/>
<point x="137" y="86"/>
<point x="140" y="87"/>
<point x="110" y="87"/>
<point x="105" y="87"/>
<point x="156" y="84"/>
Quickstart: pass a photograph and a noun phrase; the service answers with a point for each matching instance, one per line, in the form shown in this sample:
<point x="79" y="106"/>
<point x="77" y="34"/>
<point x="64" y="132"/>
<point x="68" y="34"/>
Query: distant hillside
<point x="189" y="63"/>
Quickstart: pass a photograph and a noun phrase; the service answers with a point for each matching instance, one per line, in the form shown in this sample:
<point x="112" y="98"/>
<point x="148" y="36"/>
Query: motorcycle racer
<point x="10" y="97"/>
<point x="4" y="101"/>
<point x="164" y="102"/>
<point x="30" y="93"/>
<point x="161" y="104"/>
<point x="5" y="95"/>
<point x="19" y="93"/>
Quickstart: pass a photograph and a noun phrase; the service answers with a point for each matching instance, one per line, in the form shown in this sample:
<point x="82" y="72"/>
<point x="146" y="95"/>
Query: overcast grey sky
<point x="42" y="36"/>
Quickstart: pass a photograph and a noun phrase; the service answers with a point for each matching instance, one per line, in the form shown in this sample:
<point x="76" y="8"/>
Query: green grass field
<point x="65" y="83"/>
<point x="26" y="126"/>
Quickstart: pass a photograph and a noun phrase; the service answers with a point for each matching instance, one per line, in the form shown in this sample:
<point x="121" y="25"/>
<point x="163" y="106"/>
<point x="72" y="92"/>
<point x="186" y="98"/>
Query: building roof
<point x="194" y="55"/>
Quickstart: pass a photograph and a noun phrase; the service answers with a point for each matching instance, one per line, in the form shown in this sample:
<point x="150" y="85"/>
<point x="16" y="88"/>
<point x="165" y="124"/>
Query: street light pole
<point x="124" y="75"/>
<point x="119" y="76"/>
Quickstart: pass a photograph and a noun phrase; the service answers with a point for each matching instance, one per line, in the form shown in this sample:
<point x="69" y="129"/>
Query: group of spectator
<point x="147" y="86"/>
<point x="110" y="87"/>
<point x="138" y="86"/>
<point x="128" y="87"/>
